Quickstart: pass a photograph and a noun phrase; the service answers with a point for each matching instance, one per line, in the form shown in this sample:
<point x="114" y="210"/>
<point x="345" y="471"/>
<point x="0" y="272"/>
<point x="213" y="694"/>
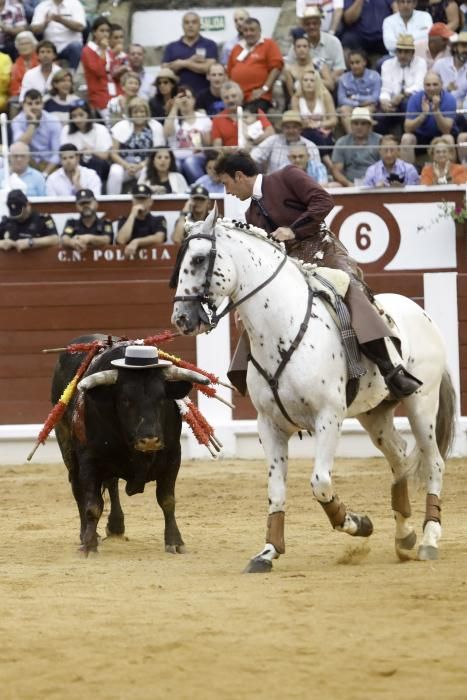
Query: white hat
<point x="140" y="357"/>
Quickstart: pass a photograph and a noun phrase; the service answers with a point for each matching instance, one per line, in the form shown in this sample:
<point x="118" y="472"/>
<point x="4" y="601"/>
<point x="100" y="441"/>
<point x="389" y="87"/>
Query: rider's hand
<point x="283" y="233"/>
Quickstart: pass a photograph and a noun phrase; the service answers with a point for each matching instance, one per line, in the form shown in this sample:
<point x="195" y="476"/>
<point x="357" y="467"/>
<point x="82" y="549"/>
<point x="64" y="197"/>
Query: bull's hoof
<point x="86" y="551"/>
<point x="258" y="565"/>
<point x="427" y="552"/>
<point x="364" y="525"/>
<point x="404" y="545"/>
<point x="114" y="530"/>
<point x="175" y="548"/>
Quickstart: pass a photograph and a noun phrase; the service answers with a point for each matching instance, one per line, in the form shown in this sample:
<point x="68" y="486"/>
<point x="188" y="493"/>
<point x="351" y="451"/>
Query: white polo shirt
<point x="34" y="79"/>
<point x="55" y="31"/>
<point x="60" y="185"/>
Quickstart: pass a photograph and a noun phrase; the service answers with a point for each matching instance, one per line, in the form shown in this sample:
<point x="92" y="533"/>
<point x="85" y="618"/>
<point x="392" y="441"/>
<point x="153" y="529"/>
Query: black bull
<point x="120" y="424"/>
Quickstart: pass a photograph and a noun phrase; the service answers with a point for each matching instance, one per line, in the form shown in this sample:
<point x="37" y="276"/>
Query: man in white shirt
<point x="407" y="20"/>
<point x="453" y="69"/>
<point x="40" y="77"/>
<point x="62" y="22"/>
<point x="332" y="11"/>
<point x="401" y="76"/>
<point x="72" y="177"/>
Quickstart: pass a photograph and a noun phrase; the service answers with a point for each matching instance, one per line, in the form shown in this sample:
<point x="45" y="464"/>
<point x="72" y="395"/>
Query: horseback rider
<point x="291" y="207"/>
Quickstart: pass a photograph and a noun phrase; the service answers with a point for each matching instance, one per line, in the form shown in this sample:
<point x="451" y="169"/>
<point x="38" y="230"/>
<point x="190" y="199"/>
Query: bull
<point x="122" y="423"/>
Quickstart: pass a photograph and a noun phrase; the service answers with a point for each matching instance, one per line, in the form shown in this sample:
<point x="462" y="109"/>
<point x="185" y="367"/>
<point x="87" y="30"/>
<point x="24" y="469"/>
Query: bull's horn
<point x="210" y="220"/>
<point x="107" y="377"/>
<point x="177" y="374"/>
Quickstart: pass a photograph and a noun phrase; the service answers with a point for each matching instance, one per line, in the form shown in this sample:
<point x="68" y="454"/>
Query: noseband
<point x="203" y="298"/>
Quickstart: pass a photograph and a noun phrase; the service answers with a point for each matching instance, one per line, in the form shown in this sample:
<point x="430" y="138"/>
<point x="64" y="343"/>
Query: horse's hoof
<point x="175" y="548"/>
<point x="404" y="545"/>
<point x="364" y="526"/>
<point x="427" y="552"/>
<point x="114" y="533"/>
<point x="258" y="565"/>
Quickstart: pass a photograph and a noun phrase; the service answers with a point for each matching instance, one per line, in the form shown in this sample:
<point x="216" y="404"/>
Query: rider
<point x="291" y="206"/>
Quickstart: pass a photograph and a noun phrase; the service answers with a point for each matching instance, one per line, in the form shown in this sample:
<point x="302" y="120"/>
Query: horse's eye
<point x="199" y="259"/>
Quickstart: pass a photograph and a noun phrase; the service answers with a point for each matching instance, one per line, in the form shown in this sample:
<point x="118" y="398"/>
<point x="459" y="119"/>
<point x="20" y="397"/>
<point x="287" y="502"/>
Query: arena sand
<point x="337" y="618"/>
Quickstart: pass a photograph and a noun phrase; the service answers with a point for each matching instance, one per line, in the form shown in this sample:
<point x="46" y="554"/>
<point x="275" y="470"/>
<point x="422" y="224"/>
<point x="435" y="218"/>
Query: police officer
<point x="141" y="228"/>
<point x="89" y="230"/>
<point x="195" y="209"/>
<point x="25" y="229"/>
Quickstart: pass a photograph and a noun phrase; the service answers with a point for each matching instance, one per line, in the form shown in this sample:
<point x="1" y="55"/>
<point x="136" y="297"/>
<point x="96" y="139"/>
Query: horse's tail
<point x="445" y="431"/>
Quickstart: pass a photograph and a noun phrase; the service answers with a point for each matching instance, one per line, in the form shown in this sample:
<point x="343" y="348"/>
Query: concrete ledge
<point x="239" y="439"/>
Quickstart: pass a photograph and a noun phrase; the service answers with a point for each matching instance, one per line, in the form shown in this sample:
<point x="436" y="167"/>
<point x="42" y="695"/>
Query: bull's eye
<point x="199" y="259"/>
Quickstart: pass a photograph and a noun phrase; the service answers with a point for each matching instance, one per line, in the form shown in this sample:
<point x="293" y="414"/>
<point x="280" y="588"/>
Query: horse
<point x="298" y="372"/>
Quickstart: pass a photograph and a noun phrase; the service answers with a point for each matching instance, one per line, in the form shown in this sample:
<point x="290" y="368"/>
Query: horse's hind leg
<point x="379" y="423"/>
<point x="275" y="448"/>
<point x="327" y="431"/>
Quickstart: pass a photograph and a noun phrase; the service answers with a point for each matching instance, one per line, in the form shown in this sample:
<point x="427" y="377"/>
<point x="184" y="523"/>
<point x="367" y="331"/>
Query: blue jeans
<point x="72" y="53"/>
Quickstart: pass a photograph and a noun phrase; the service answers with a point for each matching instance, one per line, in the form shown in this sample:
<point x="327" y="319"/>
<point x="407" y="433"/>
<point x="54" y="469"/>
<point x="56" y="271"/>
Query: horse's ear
<point x="210" y="220"/>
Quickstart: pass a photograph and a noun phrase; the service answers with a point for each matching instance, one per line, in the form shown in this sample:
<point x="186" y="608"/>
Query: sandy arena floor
<point x="336" y="619"/>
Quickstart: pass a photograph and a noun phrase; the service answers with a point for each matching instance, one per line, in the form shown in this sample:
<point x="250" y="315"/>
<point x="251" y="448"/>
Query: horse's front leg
<point x="275" y="445"/>
<point x="327" y="431"/>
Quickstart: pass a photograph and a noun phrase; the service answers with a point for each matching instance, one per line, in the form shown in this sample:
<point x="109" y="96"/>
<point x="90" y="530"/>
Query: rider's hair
<point x="230" y="163"/>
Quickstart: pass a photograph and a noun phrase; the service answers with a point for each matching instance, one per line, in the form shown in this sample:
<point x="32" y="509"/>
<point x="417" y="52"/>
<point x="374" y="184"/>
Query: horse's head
<point x="203" y="277"/>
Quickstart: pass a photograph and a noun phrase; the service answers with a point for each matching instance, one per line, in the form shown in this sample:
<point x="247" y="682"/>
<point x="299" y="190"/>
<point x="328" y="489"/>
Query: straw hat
<point x="405" y="42"/>
<point x="290" y="116"/>
<point x="361" y="114"/>
<point x="313" y="11"/>
<point x="168" y="74"/>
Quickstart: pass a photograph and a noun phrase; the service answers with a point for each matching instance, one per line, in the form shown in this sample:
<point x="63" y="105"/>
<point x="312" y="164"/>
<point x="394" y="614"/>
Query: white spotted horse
<point x="298" y="371"/>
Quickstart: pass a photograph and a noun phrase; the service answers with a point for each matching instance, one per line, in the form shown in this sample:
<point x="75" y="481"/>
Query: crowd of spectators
<point x="367" y="94"/>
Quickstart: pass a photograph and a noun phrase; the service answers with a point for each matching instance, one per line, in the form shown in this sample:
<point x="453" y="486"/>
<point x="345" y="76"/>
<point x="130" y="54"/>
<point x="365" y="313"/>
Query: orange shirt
<point x="457" y="172"/>
<point x="252" y="72"/>
<point x="17" y="73"/>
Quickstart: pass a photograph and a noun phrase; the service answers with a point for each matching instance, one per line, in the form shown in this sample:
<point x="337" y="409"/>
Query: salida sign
<point x="68" y="255"/>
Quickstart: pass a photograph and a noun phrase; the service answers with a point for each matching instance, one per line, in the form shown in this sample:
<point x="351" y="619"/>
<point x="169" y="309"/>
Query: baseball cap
<point x="440" y="29"/>
<point x="85" y="196"/>
<point x="16" y="201"/>
<point x="141" y="191"/>
<point x="199" y="191"/>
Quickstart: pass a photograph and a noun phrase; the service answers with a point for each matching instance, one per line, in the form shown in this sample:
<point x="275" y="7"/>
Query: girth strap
<point x="273" y="380"/>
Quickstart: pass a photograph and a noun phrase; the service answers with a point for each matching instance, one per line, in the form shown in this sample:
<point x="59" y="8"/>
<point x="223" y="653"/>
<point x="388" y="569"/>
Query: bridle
<point x="203" y="298"/>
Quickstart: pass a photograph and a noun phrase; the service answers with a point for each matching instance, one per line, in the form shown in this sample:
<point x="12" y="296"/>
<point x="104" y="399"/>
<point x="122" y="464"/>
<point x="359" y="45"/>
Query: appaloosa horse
<point x="298" y="372"/>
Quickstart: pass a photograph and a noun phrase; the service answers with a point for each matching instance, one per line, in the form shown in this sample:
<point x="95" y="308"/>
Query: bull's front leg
<point x="116" y="520"/>
<point x="275" y="445"/>
<point x="91" y="507"/>
<point x="165" y="495"/>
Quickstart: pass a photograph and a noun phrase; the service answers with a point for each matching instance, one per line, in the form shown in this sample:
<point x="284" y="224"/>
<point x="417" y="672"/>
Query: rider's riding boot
<point x="399" y="382"/>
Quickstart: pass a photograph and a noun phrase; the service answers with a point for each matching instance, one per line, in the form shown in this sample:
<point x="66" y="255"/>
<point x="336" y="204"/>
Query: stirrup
<point x="401" y="383"/>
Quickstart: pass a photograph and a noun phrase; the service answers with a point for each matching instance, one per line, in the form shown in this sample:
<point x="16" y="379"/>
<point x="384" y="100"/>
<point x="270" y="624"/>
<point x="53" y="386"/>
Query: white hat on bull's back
<point x="140" y="357"/>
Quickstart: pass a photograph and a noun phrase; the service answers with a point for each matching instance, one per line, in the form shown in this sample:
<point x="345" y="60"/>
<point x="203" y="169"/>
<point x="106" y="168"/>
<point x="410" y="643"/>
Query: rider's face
<point x="239" y="186"/>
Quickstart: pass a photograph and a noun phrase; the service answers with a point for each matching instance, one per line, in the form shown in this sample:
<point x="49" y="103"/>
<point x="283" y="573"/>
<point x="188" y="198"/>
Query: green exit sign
<point x="213" y="24"/>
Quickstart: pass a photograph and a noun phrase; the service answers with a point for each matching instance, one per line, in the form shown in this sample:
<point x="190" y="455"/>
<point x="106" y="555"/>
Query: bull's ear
<point x="177" y="390"/>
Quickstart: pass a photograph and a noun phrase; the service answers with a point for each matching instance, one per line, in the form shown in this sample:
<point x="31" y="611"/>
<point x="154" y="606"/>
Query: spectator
<point x="211" y="180"/>
<point x="160" y="173"/>
<point x="254" y="64"/>
<point x="166" y="88"/>
<point x="61" y="22"/>
<point x="98" y="64"/>
<point x="72" y="177"/>
<point x="196" y="208"/>
<point x="225" y="125"/>
<point x="39" y="131"/>
<point x="298" y="155"/>
<point x="453" y="69"/>
<point x="187" y="132"/>
<point x="12" y="22"/>
<point x="363" y="25"/>
<point x="436" y="46"/>
<point x="358" y="87"/>
<point x="191" y="56"/>
<point x="445" y="11"/>
<point x="92" y="139"/>
<point x="117" y="107"/>
<point x="25" y="44"/>
<point x="324" y="48"/>
<point x="5" y="73"/>
<point x="136" y="65"/>
<point x="390" y="171"/>
<point x="331" y="13"/>
<point x="302" y="61"/>
<point x="430" y="113"/>
<point x="239" y="17"/>
<point x="355" y="152"/>
<point x="40" y="77"/>
<point x="22" y="176"/>
<point x="117" y="46"/>
<point x="141" y="228"/>
<point x="61" y="97"/>
<point x="401" y="77"/>
<point x="318" y="112"/>
<point x="90" y="230"/>
<point x="273" y="153"/>
<point x="24" y="229"/>
<point x="210" y="100"/>
<point x="133" y="139"/>
<point x="443" y="170"/>
<point x="407" y="20"/>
